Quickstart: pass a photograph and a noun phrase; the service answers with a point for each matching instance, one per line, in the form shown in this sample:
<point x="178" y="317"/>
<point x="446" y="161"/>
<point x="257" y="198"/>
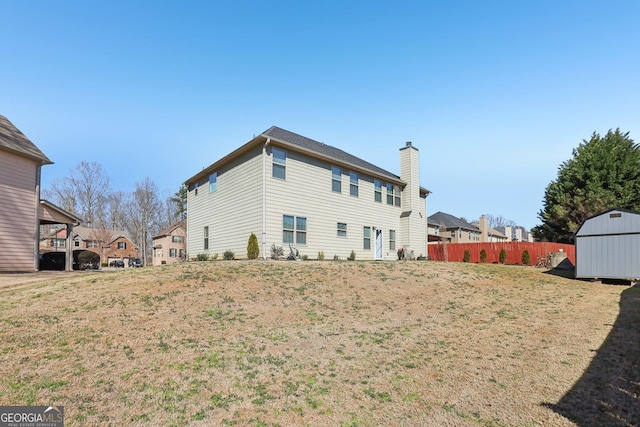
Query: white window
<point x="279" y="163"/>
<point x="378" y="190"/>
<point x="172" y="253"/>
<point x="213" y="182"/>
<point x="176" y="239"/>
<point x="392" y="240"/>
<point x="342" y="229"/>
<point x="291" y="226"/>
<point x="367" y="238"/>
<point x="121" y="245"/>
<point x="336" y="179"/>
<point x="353" y="184"/>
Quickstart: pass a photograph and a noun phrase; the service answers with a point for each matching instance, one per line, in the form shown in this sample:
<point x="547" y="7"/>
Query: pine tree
<point x="253" y="250"/>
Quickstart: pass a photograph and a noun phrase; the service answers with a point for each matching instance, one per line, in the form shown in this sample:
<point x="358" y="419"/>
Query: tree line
<point x="86" y="192"/>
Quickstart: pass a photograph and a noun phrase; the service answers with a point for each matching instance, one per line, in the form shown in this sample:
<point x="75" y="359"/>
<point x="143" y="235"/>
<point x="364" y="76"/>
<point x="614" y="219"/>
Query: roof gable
<point x="299" y="143"/>
<point x="450" y="221"/>
<point x="11" y="139"/>
<point x="170" y="229"/>
<point x="326" y="151"/>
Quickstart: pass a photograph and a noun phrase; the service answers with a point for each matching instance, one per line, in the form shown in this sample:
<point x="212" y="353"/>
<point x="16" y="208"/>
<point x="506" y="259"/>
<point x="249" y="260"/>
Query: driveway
<point x="19" y="280"/>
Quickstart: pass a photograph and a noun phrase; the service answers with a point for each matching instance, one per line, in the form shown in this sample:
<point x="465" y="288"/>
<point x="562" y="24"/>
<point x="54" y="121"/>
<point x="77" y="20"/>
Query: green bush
<point x="305" y="257"/>
<point x="321" y="256"/>
<point x="202" y="257"/>
<point x="503" y="256"/>
<point x="215" y="256"/>
<point x="526" y="258"/>
<point x="483" y="256"/>
<point x="253" y="250"/>
<point x="467" y="256"/>
<point x="228" y="255"/>
<point x="352" y="256"/>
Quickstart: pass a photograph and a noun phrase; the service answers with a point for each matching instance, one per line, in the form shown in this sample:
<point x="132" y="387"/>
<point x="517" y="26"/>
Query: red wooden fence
<point x="455" y="251"/>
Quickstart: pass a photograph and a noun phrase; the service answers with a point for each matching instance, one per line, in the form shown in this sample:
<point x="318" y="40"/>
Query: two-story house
<point x="292" y="190"/>
<point x="109" y="244"/>
<point x="21" y="209"/>
<point x="456" y="230"/>
<point x="170" y="244"/>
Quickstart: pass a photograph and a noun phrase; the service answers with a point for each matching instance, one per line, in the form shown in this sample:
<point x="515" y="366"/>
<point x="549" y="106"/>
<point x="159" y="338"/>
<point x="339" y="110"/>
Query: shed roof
<point x="11" y="139"/>
<point x="610" y="222"/>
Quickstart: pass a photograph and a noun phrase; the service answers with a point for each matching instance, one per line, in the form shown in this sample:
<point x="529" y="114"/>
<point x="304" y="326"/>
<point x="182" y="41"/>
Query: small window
<point x="287" y="229"/>
<point x="213" y="182"/>
<point x="279" y="163"/>
<point x="453" y="233"/>
<point x="342" y="229"/>
<point x="206" y="238"/>
<point x="176" y="239"/>
<point x="301" y="231"/>
<point x="353" y="184"/>
<point x="377" y="191"/>
<point x="121" y="245"/>
<point x="367" y="238"/>
<point x="76" y="243"/>
<point x="396" y="192"/>
<point x="336" y="179"/>
<point x="390" y="194"/>
<point x="172" y="253"/>
<point x="615" y="215"/>
<point x="392" y="240"/>
<point x="195" y="188"/>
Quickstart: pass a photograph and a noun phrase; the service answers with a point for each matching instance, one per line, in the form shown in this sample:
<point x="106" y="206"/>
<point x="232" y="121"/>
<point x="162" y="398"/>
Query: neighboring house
<point x="456" y="229"/>
<point x="109" y="244"/>
<point x="292" y="190"/>
<point x="170" y="245"/>
<point x="437" y="233"/>
<point x="516" y="234"/>
<point x="21" y="210"/>
<point x="488" y="234"/>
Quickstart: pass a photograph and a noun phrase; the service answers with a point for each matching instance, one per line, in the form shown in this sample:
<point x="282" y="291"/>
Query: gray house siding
<point x="608" y="246"/>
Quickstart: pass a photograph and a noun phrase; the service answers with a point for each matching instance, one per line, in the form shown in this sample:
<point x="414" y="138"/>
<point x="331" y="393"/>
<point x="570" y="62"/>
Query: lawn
<point x="322" y="344"/>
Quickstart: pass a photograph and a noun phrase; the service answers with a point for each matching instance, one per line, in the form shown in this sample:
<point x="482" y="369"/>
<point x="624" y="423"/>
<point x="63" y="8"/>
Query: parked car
<point x="135" y="262"/>
<point x="85" y="260"/>
<point x="117" y="263"/>
<point x="52" y="261"/>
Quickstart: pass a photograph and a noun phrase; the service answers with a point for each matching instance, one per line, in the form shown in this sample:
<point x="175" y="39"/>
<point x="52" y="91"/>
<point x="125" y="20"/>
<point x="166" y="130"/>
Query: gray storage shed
<point x="608" y="246"/>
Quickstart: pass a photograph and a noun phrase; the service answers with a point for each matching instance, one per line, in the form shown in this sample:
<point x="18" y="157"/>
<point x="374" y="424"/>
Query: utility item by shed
<point x="608" y="246"/>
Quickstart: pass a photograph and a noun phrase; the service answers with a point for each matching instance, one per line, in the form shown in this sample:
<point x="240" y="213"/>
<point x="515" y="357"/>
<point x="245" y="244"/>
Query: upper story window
<point x="353" y="184"/>
<point x="195" y="188"/>
<point x="393" y="195"/>
<point x="90" y="244"/>
<point x="58" y="243"/>
<point x="336" y="179"/>
<point x="377" y="190"/>
<point x="122" y="245"/>
<point x="279" y="163"/>
<point x="176" y="239"/>
<point x="213" y="182"/>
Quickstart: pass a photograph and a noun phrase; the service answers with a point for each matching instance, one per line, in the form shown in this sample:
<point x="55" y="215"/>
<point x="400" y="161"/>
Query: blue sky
<point x="495" y="94"/>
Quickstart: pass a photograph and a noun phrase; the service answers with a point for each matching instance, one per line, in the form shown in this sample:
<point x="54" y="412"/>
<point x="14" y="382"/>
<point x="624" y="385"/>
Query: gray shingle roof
<point x="325" y="150"/>
<point x="450" y="221"/>
<point x="11" y="139"/>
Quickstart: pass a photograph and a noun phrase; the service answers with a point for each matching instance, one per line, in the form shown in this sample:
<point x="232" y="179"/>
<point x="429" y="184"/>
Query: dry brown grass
<point x="307" y="343"/>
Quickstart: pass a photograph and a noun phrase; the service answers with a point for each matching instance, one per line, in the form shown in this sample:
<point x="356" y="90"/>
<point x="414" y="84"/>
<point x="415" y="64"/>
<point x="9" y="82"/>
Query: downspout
<point x="36" y="250"/>
<point x="264" y="199"/>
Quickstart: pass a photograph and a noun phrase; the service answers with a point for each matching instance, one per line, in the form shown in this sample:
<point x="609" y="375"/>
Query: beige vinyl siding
<point x="18" y="221"/>
<point x="307" y="192"/>
<point x="232" y="212"/>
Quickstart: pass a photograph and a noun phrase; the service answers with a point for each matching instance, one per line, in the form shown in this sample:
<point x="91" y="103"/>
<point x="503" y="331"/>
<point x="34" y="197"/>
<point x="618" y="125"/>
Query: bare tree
<point x="116" y="215"/>
<point x="103" y="237"/>
<point x="143" y="209"/>
<point x="499" y="221"/>
<point x="84" y="193"/>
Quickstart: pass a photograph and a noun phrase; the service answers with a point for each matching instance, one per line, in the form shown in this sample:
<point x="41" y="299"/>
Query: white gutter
<point x="264" y="199"/>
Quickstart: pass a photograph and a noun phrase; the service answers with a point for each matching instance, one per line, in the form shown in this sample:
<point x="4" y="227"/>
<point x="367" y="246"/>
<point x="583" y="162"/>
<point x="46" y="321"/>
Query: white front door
<point x="378" y="253"/>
